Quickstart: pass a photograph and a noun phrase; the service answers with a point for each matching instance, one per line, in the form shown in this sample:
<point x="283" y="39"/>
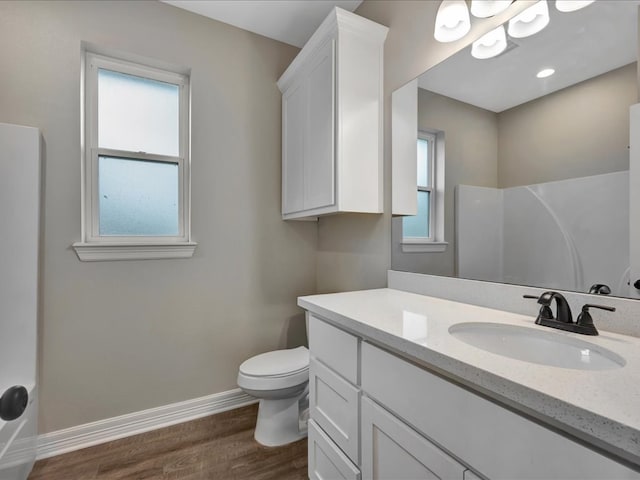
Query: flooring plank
<point x="218" y="447"/>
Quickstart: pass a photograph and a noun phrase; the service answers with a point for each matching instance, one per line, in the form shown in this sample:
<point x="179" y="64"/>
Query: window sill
<point x="409" y="246"/>
<point x="102" y="252"/>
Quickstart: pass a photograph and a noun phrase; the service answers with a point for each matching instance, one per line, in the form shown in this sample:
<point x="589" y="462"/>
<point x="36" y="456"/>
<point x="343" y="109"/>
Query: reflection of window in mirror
<point x="424" y="232"/>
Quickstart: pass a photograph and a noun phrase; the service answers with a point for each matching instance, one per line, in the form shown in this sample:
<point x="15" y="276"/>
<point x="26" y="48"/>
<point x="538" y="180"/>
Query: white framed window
<point x="136" y="164"/>
<point x="424" y="232"/>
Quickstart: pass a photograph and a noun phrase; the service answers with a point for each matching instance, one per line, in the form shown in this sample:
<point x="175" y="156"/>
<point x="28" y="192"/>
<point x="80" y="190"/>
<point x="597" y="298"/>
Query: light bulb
<point x="488" y="8"/>
<point x="530" y="21"/>
<point x="570" y="5"/>
<point x="452" y="21"/>
<point x="490" y="44"/>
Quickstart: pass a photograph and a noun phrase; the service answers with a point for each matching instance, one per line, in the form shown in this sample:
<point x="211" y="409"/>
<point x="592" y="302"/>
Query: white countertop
<point x="601" y="407"/>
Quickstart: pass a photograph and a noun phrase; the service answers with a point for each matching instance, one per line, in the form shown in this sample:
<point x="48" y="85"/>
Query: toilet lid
<point x="277" y="363"/>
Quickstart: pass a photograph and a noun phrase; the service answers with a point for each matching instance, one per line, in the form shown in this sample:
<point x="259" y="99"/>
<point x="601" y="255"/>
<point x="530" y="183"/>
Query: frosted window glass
<point x="137" y="197"/>
<point x="418" y="225"/>
<point x="137" y="114"/>
<point x="423" y="163"/>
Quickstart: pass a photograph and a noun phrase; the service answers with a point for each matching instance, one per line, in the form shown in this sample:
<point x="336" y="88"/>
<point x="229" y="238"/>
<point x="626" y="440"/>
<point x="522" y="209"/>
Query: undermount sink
<point x="536" y="346"/>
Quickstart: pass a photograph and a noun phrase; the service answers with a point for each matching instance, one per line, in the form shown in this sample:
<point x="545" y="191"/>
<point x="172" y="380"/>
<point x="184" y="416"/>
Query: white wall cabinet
<point x="414" y="424"/>
<point x="404" y="149"/>
<point x="332" y="120"/>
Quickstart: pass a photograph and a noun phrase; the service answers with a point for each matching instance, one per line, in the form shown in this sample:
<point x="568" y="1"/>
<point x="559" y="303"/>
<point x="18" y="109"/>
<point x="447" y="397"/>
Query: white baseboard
<point x="94" y="433"/>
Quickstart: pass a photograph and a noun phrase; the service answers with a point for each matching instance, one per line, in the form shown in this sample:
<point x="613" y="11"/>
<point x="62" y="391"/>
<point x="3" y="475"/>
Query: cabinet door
<point x="326" y="461"/>
<point x="319" y="168"/>
<point x="393" y="451"/>
<point x="294" y="111"/>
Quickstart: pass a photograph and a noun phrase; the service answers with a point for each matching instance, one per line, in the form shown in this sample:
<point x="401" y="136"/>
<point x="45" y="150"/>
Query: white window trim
<point x="436" y="242"/>
<point x="94" y="247"/>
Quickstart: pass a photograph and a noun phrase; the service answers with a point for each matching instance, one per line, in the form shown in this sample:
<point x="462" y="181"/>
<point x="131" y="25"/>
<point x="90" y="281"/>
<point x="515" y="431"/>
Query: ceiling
<point x="578" y="45"/>
<point x="289" y="21"/>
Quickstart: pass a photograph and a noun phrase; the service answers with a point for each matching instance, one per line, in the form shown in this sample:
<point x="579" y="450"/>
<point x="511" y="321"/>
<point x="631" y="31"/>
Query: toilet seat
<point x="275" y="370"/>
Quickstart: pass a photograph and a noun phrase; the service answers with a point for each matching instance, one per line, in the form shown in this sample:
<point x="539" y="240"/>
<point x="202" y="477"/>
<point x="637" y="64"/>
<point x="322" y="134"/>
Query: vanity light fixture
<point x="547" y="72"/>
<point x="490" y="44"/>
<point x="530" y="21"/>
<point x="488" y="8"/>
<point x="452" y="21"/>
<point x="569" y="5"/>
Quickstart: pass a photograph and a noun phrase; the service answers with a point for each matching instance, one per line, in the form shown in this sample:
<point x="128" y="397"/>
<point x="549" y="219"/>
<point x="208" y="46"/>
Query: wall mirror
<point x="536" y="184"/>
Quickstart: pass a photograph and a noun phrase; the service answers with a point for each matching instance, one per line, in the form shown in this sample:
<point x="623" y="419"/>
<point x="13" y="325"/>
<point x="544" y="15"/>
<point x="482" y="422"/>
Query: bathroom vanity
<point x="397" y="392"/>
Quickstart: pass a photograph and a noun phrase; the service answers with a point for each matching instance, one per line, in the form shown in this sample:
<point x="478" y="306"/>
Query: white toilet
<point x="280" y="379"/>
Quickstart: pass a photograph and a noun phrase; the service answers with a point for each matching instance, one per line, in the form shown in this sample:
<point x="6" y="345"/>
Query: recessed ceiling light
<point x="547" y="72"/>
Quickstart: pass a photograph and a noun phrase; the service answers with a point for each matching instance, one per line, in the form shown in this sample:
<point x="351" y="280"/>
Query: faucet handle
<point x="587" y="306"/>
<point x="600" y="289"/>
<point x="585" y="322"/>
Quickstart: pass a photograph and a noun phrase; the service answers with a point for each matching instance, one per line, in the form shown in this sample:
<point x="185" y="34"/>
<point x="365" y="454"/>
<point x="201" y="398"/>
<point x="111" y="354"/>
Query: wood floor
<point x="219" y="447"/>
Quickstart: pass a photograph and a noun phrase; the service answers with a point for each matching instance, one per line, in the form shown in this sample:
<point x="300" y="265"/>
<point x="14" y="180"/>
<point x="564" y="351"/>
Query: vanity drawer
<point x="494" y="441"/>
<point x="326" y="461"/>
<point x="334" y="405"/>
<point x="336" y="348"/>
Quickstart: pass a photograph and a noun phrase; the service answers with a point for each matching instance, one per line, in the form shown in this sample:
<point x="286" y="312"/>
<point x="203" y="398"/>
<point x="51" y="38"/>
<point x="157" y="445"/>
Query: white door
<point x="634" y="198"/>
<point x="19" y="240"/>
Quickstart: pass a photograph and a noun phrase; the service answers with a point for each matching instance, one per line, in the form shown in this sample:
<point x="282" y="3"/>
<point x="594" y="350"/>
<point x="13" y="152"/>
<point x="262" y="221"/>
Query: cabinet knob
<point x="13" y="403"/>
<point x="636" y="284"/>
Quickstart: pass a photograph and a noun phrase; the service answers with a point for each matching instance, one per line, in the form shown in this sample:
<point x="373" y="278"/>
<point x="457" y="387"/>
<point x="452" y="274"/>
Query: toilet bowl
<point x="280" y="379"/>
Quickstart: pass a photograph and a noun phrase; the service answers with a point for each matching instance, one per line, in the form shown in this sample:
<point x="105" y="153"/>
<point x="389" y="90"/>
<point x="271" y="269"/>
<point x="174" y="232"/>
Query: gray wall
<point x="471" y="158"/>
<point x="118" y="337"/>
<point x="579" y="131"/>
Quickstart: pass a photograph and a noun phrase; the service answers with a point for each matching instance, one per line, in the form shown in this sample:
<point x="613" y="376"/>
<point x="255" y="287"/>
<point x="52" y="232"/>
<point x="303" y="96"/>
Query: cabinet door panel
<point x="393" y="451"/>
<point x="294" y="111"/>
<point x="334" y="406"/>
<point x="319" y="137"/>
<point x="326" y="461"/>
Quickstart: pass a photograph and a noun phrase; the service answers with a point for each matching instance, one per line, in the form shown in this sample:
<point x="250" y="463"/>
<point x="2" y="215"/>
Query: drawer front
<point x="334" y="405"/>
<point x="326" y="461"/>
<point x="391" y="450"/>
<point x="494" y="441"/>
<point x="336" y="348"/>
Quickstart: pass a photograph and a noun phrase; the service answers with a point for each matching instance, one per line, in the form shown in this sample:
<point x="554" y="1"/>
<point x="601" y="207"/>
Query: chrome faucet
<point x="563" y="319"/>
